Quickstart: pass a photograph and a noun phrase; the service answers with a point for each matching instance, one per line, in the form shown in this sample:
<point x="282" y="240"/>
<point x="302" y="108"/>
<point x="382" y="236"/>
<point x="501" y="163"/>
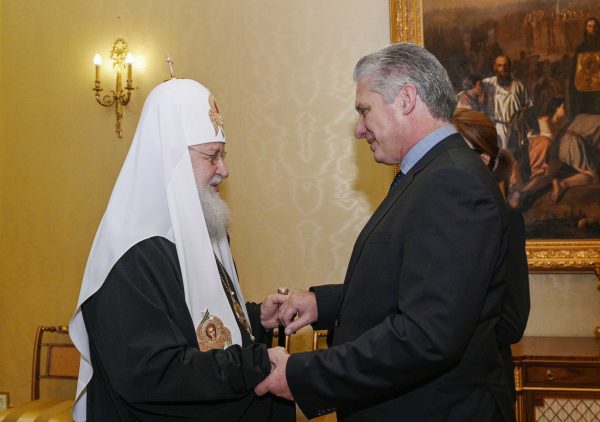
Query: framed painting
<point x="555" y="53"/>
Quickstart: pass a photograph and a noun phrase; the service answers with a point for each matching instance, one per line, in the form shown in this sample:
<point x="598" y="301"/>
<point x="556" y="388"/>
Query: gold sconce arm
<point x="121" y="95"/>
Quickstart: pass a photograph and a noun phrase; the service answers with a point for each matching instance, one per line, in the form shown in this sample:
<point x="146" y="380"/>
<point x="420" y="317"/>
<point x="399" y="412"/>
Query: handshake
<point x="293" y="312"/>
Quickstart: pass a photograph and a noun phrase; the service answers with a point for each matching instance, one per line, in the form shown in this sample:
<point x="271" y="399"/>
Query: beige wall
<point x="563" y="305"/>
<point x="300" y="187"/>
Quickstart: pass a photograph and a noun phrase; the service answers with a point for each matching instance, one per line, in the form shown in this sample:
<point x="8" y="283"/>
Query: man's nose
<point x="222" y="169"/>
<point x="360" y="131"/>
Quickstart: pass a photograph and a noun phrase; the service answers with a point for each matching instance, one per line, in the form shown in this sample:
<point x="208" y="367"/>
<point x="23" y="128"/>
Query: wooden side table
<point x="557" y="378"/>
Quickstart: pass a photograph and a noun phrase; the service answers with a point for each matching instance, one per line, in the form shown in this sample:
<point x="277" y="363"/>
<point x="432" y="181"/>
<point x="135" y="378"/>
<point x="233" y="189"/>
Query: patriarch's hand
<point x="269" y="310"/>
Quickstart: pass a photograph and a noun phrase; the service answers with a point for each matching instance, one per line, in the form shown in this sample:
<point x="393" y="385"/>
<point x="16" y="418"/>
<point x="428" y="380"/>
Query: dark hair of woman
<point x="480" y="133"/>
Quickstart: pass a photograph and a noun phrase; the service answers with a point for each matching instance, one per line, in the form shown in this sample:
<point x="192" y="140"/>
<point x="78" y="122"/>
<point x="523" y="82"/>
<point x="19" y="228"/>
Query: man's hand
<point x="269" y="308"/>
<point x="301" y="304"/>
<point x="276" y="383"/>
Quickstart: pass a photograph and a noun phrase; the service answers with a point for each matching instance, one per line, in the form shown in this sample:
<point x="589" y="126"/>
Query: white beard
<point x="216" y="213"/>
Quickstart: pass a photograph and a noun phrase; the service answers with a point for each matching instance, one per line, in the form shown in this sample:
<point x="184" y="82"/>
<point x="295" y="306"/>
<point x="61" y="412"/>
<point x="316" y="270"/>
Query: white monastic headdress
<point x="156" y="195"/>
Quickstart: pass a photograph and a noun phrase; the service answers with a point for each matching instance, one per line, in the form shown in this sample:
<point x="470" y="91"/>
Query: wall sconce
<point x="121" y="59"/>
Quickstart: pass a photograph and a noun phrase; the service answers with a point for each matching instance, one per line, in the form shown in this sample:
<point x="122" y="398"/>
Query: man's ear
<point x="407" y="98"/>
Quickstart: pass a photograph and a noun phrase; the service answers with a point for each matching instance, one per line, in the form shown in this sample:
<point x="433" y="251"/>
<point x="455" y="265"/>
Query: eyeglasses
<point x="214" y="157"/>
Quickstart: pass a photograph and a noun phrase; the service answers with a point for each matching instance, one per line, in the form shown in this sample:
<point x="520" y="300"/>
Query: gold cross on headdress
<point x="170" y="64"/>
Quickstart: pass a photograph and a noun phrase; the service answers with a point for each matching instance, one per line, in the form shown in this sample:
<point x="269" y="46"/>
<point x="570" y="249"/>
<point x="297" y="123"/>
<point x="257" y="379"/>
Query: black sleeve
<point x="141" y="330"/>
<point x="328" y="301"/>
<point x="261" y="334"/>
<point x="515" y="301"/>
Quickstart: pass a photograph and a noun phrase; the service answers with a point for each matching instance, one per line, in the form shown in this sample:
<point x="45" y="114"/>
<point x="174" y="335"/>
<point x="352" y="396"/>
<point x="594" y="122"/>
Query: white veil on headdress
<point x="156" y="195"/>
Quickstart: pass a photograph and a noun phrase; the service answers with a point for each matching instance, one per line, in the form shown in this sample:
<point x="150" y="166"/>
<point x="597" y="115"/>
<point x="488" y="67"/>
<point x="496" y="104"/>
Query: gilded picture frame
<point x="565" y="256"/>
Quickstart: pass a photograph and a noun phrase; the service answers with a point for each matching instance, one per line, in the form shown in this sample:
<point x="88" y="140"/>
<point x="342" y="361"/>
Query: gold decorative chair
<point x="284" y="342"/>
<point x="54" y="358"/>
<point x="317" y="335"/>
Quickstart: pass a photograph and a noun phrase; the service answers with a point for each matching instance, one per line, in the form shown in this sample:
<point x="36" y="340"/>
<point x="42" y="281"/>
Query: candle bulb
<point x="129" y="61"/>
<point x="97" y="63"/>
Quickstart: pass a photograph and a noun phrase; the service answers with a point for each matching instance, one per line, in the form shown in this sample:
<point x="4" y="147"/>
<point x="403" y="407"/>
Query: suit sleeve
<point x="448" y="248"/>
<point x="516" y="300"/>
<point x="328" y="301"/>
<point x="144" y="338"/>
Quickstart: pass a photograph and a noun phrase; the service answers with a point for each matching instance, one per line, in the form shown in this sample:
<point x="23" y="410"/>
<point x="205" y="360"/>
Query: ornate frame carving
<point x="544" y="256"/>
<point x="406" y="21"/>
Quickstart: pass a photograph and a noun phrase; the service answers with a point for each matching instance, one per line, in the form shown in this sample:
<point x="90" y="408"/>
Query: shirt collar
<point x="422" y="147"/>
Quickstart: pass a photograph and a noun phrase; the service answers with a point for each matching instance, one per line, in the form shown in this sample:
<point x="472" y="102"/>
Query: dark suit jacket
<point x="516" y="301"/>
<point x="413" y="326"/>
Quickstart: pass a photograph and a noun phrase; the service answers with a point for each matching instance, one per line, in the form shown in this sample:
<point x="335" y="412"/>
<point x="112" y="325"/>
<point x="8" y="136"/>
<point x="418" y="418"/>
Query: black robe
<point x="145" y="356"/>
